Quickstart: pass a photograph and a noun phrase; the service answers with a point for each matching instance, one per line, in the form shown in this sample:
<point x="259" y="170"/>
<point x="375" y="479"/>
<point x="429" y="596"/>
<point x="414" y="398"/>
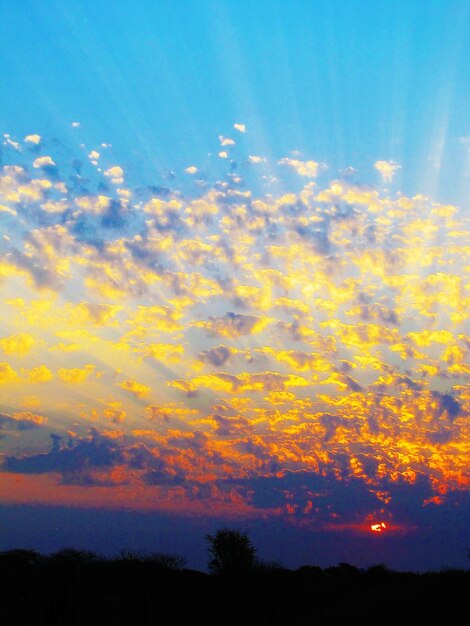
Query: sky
<point x="234" y="278"/>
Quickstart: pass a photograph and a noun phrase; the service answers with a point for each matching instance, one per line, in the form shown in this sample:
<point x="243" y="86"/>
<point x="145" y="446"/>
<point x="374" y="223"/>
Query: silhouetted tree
<point x="231" y="552"/>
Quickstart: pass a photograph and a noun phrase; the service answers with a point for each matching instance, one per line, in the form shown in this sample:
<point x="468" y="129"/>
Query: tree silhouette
<point x="231" y="552"/>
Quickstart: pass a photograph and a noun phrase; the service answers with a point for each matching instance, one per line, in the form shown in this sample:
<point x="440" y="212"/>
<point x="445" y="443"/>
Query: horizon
<point x="234" y="277"/>
<point x="49" y="529"/>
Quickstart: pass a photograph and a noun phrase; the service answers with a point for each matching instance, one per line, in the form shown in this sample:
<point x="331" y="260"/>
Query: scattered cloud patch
<point x="303" y="168"/>
<point x="387" y="169"/>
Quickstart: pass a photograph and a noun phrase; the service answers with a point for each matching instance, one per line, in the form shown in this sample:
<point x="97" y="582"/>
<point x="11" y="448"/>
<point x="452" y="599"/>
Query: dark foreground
<point x="76" y="588"/>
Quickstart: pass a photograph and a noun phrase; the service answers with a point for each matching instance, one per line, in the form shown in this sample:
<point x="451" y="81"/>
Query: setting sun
<point x="378" y="528"/>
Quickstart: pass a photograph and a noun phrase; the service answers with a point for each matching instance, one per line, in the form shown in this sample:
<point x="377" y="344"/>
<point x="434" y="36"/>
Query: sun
<point x="378" y="527"/>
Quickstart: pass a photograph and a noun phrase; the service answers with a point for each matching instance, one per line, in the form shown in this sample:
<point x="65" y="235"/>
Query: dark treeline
<point x="76" y="587"/>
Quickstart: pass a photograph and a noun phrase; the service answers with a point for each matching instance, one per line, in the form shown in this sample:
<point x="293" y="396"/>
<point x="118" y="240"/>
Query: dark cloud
<point x="103" y="187"/>
<point x="226" y="426"/>
<point x="448" y="404"/>
<point x="114" y="216"/>
<point x="345" y="366"/>
<point x="442" y="436"/>
<point x="327" y="494"/>
<point x="217" y="356"/>
<point x="380" y="313"/>
<point x="161" y="192"/>
<point x="42" y="274"/>
<point x="163" y="478"/>
<point x="265" y="458"/>
<point x="317" y="236"/>
<point x="50" y="170"/>
<point x="145" y="255"/>
<point x="231" y="324"/>
<point x="330" y="423"/>
<point x="70" y="459"/>
<point x="85" y="230"/>
<point x="140" y="456"/>
<point x="188" y="440"/>
<point x="157" y="413"/>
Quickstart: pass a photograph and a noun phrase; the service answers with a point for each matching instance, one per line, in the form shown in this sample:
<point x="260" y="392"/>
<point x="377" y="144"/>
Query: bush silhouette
<point x="72" y="556"/>
<point x="161" y="560"/>
<point x="173" y="562"/>
<point x="19" y="555"/>
<point x="231" y="552"/>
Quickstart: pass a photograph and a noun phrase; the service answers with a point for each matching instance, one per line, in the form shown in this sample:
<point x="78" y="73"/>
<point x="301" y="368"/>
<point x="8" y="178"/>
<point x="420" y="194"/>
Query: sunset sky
<point x="234" y="277"/>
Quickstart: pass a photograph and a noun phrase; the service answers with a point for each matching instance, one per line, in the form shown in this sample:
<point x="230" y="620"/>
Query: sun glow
<point x="379" y="527"/>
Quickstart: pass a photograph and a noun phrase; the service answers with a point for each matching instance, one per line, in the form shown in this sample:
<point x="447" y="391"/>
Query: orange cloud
<point x="75" y="375"/>
<point x="139" y="390"/>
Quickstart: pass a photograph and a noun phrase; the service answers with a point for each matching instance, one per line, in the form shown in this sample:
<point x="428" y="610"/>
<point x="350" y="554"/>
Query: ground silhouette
<point x="78" y="587"/>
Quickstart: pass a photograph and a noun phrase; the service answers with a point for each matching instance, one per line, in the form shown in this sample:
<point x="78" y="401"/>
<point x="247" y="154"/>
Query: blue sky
<point x="346" y="83"/>
<point x="233" y="277"/>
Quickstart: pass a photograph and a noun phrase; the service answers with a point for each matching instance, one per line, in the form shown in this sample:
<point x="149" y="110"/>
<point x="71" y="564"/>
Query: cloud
<point x="226" y="141"/>
<point x="39" y="374"/>
<point x="240" y="127"/>
<point x="20" y="344"/>
<point x="112" y="412"/>
<point x="229" y="426"/>
<point x="44" y="161"/>
<point x="168" y="352"/>
<point x="7" y="373"/>
<point x="387" y="169"/>
<point x="43" y="261"/>
<point x="157" y="413"/>
<point x="253" y="158"/>
<point x="22" y="420"/>
<point x="310" y="343"/>
<point x="93" y="204"/>
<point x="163" y="478"/>
<point x="299" y="360"/>
<point x="100" y="314"/>
<point x="116" y="174"/>
<point x="258" y="381"/>
<point x="139" y="390"/>
<point x="234" y="325"/>
<point x="33" y="139"/>
<point x="73" y="460"/>
<point x="164" y="319"/>
<point x="303" y="168"/>
<point x="74" y="375"/>
<point x="190" y="390"/>
<point x="217" y="355"/>
<point x="448" y="405"/>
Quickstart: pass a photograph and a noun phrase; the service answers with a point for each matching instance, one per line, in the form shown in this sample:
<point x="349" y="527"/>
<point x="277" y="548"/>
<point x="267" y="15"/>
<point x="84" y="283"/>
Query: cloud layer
<point x="301" y="354"/>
